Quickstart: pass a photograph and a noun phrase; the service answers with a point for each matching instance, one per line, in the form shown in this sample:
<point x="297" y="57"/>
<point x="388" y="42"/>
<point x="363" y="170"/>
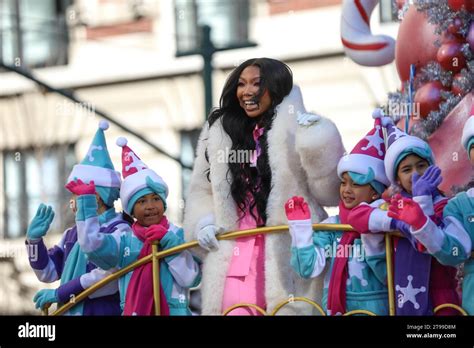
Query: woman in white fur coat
<point x="291" y="153"/>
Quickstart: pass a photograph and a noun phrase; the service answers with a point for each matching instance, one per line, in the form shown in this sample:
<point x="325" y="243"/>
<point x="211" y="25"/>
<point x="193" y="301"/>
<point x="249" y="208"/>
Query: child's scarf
<point x="337" y="286"/>
<point x="412" y="278"/>
<point x="139" y="298"/>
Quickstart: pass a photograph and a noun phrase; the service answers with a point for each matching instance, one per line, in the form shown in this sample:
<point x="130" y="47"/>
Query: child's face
<point x="471" y="155"/>
<point x="148" y="210"/>
<point x="352" y="194"/>
<point x="406" y="168"/>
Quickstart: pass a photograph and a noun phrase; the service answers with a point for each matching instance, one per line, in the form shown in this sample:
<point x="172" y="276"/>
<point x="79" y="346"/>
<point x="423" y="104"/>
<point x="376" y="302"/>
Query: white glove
<point x="305" y="119"/>
<point x="206" y="237"/>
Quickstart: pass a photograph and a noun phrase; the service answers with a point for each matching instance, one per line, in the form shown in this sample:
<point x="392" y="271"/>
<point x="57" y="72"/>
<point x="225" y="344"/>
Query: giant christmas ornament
<point x="415" y="43"/>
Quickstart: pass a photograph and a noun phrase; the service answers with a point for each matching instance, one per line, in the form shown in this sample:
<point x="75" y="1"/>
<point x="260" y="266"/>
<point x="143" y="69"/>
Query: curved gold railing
<point x="155" y="256"/>
<point x="450" y="305"/>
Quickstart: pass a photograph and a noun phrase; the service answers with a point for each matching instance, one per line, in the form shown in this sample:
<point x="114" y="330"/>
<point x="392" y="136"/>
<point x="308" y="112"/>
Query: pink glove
<point x="407" y="210"/>
<point x="297" y="209"/>
<point x="155" y="233"/>
<point x="80" y="188"/>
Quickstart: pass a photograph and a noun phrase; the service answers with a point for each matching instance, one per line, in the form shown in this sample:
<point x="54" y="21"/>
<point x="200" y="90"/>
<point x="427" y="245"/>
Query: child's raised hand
<point x="426" y="184"/>
<point x="39" y="226"/>
<point x="407" y="210"/>
<point x="79" y="188"/>
<point x="155" y="233"/>
<point x="297" y="209"/>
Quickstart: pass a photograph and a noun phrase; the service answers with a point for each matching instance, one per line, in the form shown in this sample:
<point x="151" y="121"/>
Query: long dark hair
<point x="276" y="77"/>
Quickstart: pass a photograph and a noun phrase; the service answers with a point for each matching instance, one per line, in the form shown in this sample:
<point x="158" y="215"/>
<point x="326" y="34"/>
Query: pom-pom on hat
<point x="138" y="179"/>
<point x="367" y="157"/>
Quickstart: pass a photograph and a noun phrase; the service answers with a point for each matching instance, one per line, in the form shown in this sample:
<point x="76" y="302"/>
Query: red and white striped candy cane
<point x="359" y="43"/>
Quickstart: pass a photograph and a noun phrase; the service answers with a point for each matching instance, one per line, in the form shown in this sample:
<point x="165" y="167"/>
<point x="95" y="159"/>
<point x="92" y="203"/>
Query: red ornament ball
<point x="457" y="5"/>
<point x="428" y="97"/>
<point x="450" y="57"/>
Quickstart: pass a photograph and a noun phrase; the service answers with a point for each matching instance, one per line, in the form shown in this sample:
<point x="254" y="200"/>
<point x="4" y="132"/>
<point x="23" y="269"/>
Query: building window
<point x="228" y="21"/>
<point x="32" y="177"/>
<point x="34" y="33"/>
<point x="189" y="140"/>
<point x="388" y="11"/>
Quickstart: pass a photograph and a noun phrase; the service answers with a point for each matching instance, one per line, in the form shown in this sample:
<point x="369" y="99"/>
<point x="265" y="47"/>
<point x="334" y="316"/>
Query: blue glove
<point x="45" y="296"/>
<point x="428" y="183"/>
<point x="39" y="226"/>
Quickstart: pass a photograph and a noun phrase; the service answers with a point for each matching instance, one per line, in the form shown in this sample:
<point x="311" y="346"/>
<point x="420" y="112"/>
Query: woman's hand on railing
<point x="206" y="237"/>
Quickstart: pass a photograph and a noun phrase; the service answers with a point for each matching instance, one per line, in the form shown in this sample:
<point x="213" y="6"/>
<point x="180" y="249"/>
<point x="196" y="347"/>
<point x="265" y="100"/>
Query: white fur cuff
<point x="379" y="221"/>
<point x="426" y="204"/>
<point x="301" y="233"/>
<point x="430" y="236"/>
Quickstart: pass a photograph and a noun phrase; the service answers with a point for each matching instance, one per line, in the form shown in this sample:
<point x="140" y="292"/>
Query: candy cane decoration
<point x="359" y="43"/>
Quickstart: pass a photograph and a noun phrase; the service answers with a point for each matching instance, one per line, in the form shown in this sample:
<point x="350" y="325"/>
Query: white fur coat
<point x="303" y="162"/>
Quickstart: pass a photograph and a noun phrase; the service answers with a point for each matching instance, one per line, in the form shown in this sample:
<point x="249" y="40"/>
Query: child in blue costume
<point x="452" y="242"/>
<point x="65" y="261"/>
<point x="143" y="195"/>
<point x="421" y="282"/>
<point x="356" y="278"/>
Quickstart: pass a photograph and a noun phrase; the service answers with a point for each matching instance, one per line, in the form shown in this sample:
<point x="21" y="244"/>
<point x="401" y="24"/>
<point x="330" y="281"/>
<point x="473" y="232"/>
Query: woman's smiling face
<point x="248" y="89"/>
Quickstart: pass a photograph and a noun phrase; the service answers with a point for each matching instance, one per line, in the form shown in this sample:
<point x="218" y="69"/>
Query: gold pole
<point x="156" y="277"/>
<point x="389" y="261"/>
<point x="45" y="309"/>
<point x="450" y="305"/>
<point x="246" y="305"/>
<point x="301" y="299"/>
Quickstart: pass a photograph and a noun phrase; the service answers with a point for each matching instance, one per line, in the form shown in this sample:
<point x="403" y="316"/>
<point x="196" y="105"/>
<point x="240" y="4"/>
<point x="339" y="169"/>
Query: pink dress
<point x="245" y="279"/>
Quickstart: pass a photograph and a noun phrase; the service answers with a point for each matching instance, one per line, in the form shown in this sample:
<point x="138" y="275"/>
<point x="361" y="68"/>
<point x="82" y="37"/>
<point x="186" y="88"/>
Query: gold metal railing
<point x="155" y="256"/>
